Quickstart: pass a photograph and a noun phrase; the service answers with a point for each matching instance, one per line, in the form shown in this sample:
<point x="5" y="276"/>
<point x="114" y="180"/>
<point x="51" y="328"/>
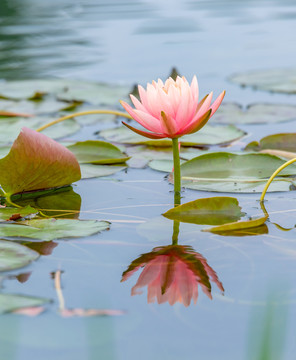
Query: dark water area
<point x="128" y="42"/>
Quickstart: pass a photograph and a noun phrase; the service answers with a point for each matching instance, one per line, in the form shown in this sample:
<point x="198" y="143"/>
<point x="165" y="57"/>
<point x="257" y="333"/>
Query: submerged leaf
<point x="211" y="211"/>
<point x="37" y="162"/>
<point x="51" y="229"/>
<point x="15" y="256"/>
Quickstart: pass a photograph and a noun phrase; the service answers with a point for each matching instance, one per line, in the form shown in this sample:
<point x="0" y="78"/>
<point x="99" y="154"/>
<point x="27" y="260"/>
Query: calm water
<point x="137" y="41"/>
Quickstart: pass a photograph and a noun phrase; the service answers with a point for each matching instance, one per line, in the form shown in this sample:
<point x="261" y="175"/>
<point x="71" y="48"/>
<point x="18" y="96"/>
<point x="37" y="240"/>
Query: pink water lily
<point x="171" y="109"/>
<point x="173" y="274"/>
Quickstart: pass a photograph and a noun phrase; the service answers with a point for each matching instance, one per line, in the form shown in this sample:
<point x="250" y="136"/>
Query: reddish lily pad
<point x="37" y="162"/>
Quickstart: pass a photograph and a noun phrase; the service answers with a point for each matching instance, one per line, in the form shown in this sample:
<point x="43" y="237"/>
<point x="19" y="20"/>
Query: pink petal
<point x="217" y="103"/>
<point x="144" y="119"/>
<point x="145" y="133"/>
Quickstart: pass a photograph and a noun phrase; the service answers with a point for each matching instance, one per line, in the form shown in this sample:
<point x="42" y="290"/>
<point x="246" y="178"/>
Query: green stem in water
<point x="274" y="175"/>
<point x="176" y="230"/>
<point x="177" y="172"/>
<point x="90" y="112"/>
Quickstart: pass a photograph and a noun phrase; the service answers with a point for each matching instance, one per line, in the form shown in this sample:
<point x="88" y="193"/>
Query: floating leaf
<point x="7" y="212"/>
<point x="280" y="153"/>
<point x="231" y="113"/>
<point x="64" y="90"/>
<point x="43" y="248"/>
<point x="51" y="229"/>
<point x="208" y="135"/>
<point x="227" y="172"/>
<point x="211" y="211"/>
<point x="92" y="171"/>
<point x="10" y="128"/>
<point x="14" y="256"/>
<point x="238" y="225"/>
<point x="37" y="162"/>
<point x="277" y="80"/>
<point x="285" y="142"/>
<point x="97" y="152"/>
<point x="11" y="302"/>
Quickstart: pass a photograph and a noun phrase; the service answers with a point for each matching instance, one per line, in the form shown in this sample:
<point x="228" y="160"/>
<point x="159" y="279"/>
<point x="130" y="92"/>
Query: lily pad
<point x="208" y="135"/>
<point x="211" y="211"/>
<point x="285" y="142"/>
<point x="64" y="90"/>
<point x="231" y="113"/>
<point x="14" y="256"/>
<point x="277" y="80"/>
<point x="97" y="152"/>
<point x="59" y="204"/>
<point x="163" y="165"/>
<point x="92" y="171"/>
<point x="51" y="229"/>
<point x="11" y="302"/>
<point x="228" y="172"/>
<point x="238" y="225"/>
<point x="7" y="212"/>
<point x="10" y="128"/>
<point x="37" y="162"/>
<point x="141" y="155"/>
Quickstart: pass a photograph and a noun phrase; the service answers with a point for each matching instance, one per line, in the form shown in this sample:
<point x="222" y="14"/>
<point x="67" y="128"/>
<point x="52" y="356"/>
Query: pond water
<point x="128" y="42"/>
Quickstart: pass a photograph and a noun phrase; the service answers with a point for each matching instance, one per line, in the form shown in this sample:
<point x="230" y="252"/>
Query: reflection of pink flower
<point x="171" y="109"/>
<point x="172" y="273"/>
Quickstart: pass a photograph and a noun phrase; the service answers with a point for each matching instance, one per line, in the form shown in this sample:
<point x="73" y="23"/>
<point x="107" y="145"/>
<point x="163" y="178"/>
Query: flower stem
<point x="274" y="175"/>
<point x="176" y="230"/>
<point x="177" y="172"/>
<point x="89" y="112"/>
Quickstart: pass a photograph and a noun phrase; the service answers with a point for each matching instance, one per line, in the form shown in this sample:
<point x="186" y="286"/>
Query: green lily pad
<point x="228" y="172"/>
<point x="238" y="225"/>
<point x="37" y="162"/>
<point x="7" y="212"/>
<point x="141" y="155"/>
<point x="163" y="165"/>
<point x="285" y="142"/>
<point x="210" y="211"/>
<point x="64" y="204"/>
<point x="51" y="229"/>
<point x="14" y="256"/>
<point x="208" y="135"/>
<point x="46" y="106"/>
<point x="277" y="80"/>
<point x="10" y="128"/>
<point x="12" y="302"/>
<point x="231" y="113"/>
<point x="92" y="171"/>
<point x="97" y="152"/>
<point x="64" y="90"/>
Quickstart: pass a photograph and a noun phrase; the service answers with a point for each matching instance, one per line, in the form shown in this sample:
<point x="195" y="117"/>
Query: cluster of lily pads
<point x="45" y="208"/>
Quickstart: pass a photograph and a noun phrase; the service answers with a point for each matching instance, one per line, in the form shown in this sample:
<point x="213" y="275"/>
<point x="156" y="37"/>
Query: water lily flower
<point x="173" y="273"/>
<point x="171" y="109"/>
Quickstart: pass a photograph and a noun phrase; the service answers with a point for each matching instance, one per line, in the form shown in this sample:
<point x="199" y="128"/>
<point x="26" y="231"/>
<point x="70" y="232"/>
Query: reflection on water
<point x="173" y="273"/>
